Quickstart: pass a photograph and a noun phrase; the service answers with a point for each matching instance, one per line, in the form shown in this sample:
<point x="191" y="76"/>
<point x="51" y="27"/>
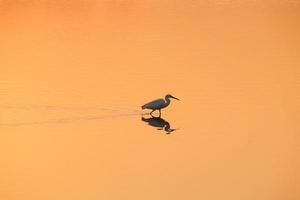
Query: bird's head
<point x="170" y="96"/>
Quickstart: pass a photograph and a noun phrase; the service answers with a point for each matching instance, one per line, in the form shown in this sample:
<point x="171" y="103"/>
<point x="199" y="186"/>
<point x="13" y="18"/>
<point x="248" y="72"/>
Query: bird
<point x="159" y="104"/>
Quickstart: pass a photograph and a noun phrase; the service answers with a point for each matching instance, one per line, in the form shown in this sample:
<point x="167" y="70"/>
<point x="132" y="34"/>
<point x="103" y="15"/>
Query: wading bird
<point x="158" y="104"/>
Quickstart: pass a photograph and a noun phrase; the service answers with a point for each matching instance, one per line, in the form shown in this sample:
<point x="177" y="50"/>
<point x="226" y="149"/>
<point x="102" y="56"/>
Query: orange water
<point x="75" y="73"/>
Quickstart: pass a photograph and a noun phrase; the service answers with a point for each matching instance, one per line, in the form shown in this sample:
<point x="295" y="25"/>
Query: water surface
<point x="74" y="75"/>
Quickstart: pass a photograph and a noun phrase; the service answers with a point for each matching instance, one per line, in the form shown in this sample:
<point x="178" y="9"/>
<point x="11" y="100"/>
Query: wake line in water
<point x="109" y="113"/>
<point x="68" y="120"/>
<point x="64" y="108"/>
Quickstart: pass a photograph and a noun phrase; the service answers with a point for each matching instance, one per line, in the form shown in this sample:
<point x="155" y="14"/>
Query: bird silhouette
<point x="159" y="104"/>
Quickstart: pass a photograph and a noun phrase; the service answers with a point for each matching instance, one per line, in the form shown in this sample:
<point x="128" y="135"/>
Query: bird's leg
<point x="159" y="113"/>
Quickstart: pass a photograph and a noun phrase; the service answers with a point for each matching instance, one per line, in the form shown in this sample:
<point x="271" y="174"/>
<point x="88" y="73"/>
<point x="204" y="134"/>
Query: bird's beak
<point x="175" y="98"/>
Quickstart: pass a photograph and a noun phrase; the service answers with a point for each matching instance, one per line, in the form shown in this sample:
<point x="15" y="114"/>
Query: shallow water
<point x="74" y="75"/>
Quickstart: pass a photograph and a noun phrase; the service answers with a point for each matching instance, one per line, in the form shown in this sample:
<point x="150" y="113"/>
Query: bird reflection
<point x="160" y="123"/>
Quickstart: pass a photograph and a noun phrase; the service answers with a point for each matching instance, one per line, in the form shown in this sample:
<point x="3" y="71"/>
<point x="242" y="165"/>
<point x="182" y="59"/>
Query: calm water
<point x="74" y="75"/>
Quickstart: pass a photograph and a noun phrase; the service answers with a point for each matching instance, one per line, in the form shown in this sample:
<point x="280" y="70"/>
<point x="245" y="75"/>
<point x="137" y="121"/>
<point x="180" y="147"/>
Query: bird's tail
<point x="143" y="107"/>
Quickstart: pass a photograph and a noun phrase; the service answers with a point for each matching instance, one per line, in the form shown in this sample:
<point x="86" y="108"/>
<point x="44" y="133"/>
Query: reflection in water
<point x="159" y="122"/>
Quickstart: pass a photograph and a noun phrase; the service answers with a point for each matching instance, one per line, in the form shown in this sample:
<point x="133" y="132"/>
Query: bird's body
<point x="158" y="104"/>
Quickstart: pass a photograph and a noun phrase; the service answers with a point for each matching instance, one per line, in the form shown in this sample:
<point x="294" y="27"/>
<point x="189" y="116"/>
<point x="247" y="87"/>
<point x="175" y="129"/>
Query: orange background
<point x="67" y="65"/>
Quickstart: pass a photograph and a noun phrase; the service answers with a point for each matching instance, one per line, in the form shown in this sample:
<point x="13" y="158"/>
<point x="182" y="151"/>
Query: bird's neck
<point x="168" y="101"/>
